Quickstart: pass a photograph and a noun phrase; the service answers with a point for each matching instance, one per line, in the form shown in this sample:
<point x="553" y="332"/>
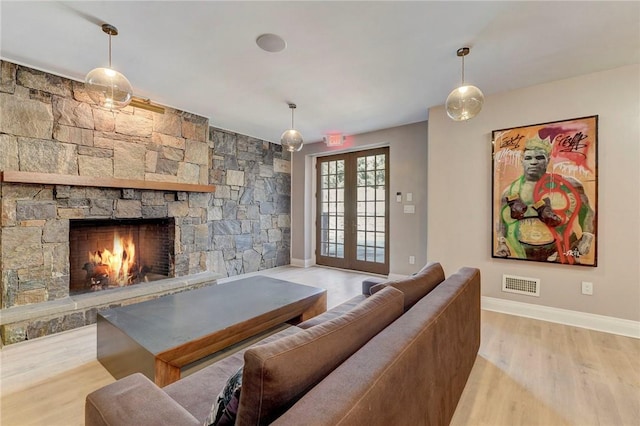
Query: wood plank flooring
<point x="531" y="372"/>
<point x="527" y="372"/>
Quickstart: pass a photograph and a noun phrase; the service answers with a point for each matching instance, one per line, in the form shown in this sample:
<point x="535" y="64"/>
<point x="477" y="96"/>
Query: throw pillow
<point x="225" y="409"/>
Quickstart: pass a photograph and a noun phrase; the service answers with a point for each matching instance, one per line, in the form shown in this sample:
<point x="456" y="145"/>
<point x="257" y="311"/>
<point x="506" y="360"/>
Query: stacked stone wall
<point x="251" y="208"/>
<point x="49" y="125"/>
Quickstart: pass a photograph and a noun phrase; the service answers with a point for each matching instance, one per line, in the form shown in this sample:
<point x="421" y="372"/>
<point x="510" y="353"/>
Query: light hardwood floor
<point x="527" y="372"/>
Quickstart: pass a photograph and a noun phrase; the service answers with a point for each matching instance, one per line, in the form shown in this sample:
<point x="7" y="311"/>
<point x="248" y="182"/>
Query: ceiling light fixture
<point x="106" y="86"/>
<point x="465" y="102"/>
<point x="292" y="139"/>
<point x="335" y="139"/>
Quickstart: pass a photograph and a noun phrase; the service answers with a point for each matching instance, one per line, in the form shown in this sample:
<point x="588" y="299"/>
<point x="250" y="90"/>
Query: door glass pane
<point x="370" y="254"/>
<point x="332" y="208"/>
<point x="332" y="222"/>
<point x="371" y="203"/>
<point x="371" y="208"/>
<point x="371" y="163"/>
<point x="371" y="239"/>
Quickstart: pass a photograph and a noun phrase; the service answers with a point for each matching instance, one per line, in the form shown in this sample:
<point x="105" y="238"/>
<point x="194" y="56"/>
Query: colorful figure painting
<point x="545" y="187"/>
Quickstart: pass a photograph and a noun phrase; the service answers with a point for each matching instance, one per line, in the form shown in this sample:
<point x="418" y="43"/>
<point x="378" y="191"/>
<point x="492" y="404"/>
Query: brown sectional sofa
<point x="397" y="357"/>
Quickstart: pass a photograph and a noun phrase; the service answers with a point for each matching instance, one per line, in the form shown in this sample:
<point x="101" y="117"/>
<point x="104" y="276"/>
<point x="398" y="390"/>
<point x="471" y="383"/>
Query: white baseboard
<point x="302" y="263"/>
<point x="604" y="323"/>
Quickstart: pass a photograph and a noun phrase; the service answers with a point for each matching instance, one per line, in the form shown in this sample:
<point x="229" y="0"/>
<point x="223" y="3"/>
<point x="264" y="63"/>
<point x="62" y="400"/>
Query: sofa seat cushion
<point x="416" y="286"/>
<point x="197" y="392"/>
<point x="277" y="374"/>
<point x="333" y="313"/>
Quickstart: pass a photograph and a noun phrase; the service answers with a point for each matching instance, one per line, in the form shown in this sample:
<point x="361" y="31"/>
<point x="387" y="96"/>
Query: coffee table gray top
<point x="171" y="321"/>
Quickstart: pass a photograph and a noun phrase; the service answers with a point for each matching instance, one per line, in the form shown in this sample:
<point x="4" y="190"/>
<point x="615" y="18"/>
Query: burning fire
<point x="117" y="265"/>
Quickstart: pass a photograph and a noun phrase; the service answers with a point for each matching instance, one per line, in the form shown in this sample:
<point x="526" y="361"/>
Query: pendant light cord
<point x="462" y="69"/>
<point x="110" y="51"/>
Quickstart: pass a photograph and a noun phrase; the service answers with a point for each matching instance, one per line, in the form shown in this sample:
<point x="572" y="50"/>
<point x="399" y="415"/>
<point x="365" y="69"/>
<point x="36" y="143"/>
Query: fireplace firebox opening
<point x="107" y="254"/>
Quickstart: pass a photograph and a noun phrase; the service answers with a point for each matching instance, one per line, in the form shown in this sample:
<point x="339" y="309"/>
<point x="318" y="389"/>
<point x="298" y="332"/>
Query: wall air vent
<point x="521" y="285"/>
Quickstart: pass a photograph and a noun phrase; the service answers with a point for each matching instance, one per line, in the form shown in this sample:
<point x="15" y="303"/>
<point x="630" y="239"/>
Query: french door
<point x="352" y="220"/>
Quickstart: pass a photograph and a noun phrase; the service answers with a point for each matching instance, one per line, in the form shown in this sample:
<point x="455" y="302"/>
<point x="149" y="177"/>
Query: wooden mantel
<point x="106" y="182"/>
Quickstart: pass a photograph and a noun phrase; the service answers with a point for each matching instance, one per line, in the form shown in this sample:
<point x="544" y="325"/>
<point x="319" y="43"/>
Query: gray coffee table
<point x="159" y="337"/>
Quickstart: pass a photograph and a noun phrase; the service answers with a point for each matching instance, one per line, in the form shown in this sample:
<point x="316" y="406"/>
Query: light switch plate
<point x="409" y="196"/>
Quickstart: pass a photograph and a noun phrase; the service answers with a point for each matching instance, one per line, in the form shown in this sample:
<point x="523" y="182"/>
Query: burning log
<point x="97" y="275"/>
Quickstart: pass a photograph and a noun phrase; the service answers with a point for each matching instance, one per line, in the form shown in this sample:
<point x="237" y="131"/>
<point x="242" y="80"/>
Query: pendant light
<point x="292" y="139"/>
<point x="465" y="102"/>
<point x="106" y="86"/>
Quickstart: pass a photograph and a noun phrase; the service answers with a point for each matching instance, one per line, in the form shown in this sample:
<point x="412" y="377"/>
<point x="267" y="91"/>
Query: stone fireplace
<point x="224" y="199"/>
<point x="45" y="257"/>
<point x="110" y="254"/>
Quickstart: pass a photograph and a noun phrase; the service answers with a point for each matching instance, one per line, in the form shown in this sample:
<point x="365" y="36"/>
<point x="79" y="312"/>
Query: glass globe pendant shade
<point x="108" y="88"/>
<point x="291" y="140"/>
<point x="464" y="103"/>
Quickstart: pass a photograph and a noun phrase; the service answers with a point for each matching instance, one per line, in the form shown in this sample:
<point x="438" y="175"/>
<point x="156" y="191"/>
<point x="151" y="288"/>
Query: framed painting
<point x="545" y="192"/>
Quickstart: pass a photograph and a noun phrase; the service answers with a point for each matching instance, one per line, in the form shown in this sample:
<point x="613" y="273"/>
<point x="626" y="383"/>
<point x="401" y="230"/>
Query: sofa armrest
<point x="370" y="282"/>
<point x="134" y="400"/>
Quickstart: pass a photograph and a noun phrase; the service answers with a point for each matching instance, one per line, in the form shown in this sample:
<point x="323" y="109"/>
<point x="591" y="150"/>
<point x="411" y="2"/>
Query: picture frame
<point x="545" y="192"/>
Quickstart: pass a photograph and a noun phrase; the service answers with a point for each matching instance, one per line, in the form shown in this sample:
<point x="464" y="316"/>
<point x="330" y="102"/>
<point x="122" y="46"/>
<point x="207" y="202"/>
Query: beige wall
<point x="459" y="191"/>
<point x="408" y="156"/>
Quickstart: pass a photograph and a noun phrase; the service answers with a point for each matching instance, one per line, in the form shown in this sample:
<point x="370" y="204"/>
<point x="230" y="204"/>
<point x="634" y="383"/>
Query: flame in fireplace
<point x="119" y="263"/>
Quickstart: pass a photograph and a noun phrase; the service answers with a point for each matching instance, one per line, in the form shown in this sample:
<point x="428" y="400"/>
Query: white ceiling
<point x="350" y="67"/>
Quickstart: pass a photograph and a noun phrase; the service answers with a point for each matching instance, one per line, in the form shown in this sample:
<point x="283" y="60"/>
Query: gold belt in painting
<point x="533" y="232"/>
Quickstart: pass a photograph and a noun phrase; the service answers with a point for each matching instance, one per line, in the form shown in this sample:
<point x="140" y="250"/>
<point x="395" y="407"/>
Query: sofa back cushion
<point x="416" y="286"/>
<point x="279" y="373"/>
